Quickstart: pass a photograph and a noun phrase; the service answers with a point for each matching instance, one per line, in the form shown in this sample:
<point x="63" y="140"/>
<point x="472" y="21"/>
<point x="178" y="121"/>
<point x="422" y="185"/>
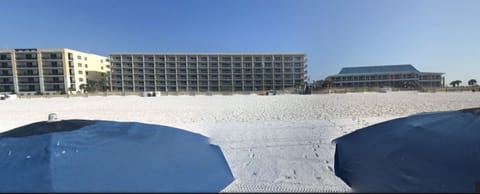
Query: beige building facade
<point x="39" y="70"/>
<point x="194" y="72"/>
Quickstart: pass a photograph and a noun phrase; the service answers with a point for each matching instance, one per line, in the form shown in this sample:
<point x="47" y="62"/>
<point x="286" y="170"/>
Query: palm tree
<point x="455" y="83"/>
<point x="458" y="82"/>
<point x="452" y="83"/>
<point x="472" y="82"/>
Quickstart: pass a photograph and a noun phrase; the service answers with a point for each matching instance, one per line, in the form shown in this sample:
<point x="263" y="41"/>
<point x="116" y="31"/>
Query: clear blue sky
<point x="433" y="35"/>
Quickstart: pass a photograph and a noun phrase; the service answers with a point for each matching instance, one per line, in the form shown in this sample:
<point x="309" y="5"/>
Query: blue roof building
<point x="405" y="75"/>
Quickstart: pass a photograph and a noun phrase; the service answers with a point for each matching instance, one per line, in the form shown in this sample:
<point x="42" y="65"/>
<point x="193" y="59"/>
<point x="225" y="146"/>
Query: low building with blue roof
<point x="405" y="75"/>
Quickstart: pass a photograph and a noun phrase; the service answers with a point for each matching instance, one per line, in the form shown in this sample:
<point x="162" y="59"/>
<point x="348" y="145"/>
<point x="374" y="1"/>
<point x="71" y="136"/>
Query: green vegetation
<point x="472" y="82"/>
<point x="455" y="83"/>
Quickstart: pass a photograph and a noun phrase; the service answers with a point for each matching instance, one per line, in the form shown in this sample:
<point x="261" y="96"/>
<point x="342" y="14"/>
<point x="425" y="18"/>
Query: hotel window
<point x="86" y="65"/>
<point x="213" y="58"/>
<point x="80" y="72"/>
<point x="79" y="65"/>
<point x="85" y="58"/>
<point x="101" y="67"/>
<point x="101" y="61"/>
<point x="226" y="59"/>
<point x="80" y="79"/>
<point x="79" y="57"/>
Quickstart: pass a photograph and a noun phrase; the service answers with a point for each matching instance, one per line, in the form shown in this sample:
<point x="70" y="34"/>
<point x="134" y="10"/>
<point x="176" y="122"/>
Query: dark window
<point x="54" y="64"/>
<point x="53" y="56"/>
<point x="3" y="57"/>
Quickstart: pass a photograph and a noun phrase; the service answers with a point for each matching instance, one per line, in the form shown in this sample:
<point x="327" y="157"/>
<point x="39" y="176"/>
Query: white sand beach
<point x="272" y="143"/>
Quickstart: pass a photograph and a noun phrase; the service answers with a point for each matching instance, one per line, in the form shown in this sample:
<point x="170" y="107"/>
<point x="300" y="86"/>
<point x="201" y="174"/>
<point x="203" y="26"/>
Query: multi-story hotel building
<point x="49" y="70"/>
<point x="206" y="72"/>
<point x="387" y="75"/>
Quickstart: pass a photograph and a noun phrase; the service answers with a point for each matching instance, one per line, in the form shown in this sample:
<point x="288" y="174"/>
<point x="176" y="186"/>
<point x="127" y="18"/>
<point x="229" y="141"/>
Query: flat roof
<point x="139" y="53"/>
<point x="46" y="50"/>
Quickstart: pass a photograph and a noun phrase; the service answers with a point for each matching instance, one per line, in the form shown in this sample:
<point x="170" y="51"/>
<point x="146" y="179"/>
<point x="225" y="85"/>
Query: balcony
<point x="26" y="58"/>
<point x="54" y="81"/>
<point x="149" y="59"/>
<point x="5" y="57"/>
<point x="28" y="81"/>
<point x="53" y="74"/>
<point x="116" y="59"/>
<point x="28" y="74"/>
